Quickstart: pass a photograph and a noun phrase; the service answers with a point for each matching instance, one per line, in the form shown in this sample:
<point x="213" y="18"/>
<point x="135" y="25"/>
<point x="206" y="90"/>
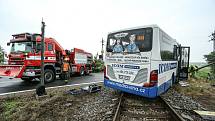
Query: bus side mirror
<point x="8" y="44"/>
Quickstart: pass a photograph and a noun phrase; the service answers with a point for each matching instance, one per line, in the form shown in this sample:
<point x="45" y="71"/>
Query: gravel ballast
<point x="184" y="105"/>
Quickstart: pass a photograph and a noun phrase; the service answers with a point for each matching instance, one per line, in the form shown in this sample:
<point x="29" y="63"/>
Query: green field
<point x="202" y="73"/>
<point x="199" y="64"/>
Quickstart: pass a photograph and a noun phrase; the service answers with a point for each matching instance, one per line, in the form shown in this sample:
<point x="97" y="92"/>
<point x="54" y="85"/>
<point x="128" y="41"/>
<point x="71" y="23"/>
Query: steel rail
<point x="171" y="110"/>
<point x="117" y="113"/>
<point x="175" y="115"/>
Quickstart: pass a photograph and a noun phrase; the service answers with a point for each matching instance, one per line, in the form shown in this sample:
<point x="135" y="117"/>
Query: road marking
<point x="6" y="82"/>
<point x="3" y="94"/>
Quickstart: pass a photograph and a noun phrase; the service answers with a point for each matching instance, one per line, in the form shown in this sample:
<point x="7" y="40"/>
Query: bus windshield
<point x="131" y="41"/>
<point x="21" y="47"/>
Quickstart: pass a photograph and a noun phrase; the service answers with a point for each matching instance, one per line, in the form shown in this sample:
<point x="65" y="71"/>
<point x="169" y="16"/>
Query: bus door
<point x="183" y="57"/>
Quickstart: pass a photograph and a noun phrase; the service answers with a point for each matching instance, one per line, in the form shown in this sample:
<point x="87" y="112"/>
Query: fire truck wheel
<point x="81" y="73"/>
<point x="49" y="75"/>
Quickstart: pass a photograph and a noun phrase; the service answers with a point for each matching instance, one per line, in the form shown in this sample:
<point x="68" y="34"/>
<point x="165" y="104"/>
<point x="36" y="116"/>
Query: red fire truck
<point x="25" y="59"/>
<point x="80" y="61"/>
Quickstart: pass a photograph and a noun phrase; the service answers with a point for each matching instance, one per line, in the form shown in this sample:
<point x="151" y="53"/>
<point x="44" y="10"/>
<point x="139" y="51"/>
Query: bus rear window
<point x="131" y="41"/>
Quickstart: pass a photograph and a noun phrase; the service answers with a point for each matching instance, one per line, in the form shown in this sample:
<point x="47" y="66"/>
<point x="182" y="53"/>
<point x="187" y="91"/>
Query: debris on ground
<point x="87" y="89"/>
<point x="74" y="91"/>
<point x="93" y="88"/>
<point x="184" y="83"/>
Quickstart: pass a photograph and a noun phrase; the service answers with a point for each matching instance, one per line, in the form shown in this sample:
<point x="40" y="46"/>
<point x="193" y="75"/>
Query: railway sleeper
<point x="126" y="118"/>
<point x="143" y="107"/>
<point x="144" y="115"/>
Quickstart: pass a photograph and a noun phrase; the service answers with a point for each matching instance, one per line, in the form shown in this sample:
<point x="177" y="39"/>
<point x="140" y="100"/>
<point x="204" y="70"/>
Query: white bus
<point x="143" y="61"/>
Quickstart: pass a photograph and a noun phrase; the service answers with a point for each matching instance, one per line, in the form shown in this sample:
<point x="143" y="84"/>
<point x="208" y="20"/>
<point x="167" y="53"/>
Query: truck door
<point x="183" y="57"/>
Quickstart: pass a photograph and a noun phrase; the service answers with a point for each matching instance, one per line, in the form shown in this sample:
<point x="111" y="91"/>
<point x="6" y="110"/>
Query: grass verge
<point x="9" y="108"/>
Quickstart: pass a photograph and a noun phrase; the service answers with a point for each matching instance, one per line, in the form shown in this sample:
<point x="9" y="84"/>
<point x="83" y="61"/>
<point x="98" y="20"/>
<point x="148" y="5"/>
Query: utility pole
<point x="41" y="90"/>
<point x="42" y="53"/>
<point x="213" y="39"/>
<point x="102" y="51"/>
<point x="3" y="55"/>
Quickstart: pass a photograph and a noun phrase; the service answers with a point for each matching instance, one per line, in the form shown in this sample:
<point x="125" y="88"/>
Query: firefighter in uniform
<point x="66" y="68"/>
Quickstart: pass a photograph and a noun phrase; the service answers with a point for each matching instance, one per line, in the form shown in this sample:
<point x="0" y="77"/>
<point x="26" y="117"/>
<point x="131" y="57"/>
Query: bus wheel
<point x="49" y="75"/>
<point x="81" y="73"/>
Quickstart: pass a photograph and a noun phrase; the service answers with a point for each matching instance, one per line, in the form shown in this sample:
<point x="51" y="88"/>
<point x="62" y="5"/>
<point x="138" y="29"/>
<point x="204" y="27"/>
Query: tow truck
<point x="24" y="59"/>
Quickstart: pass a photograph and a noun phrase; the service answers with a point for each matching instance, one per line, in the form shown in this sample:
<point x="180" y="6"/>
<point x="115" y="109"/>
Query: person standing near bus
<point x="117" y="47"/>
<point x="132" y="47"/>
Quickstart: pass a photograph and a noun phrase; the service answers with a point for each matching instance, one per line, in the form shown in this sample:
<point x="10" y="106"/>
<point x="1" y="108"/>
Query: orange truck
<point x="25" y="59"/>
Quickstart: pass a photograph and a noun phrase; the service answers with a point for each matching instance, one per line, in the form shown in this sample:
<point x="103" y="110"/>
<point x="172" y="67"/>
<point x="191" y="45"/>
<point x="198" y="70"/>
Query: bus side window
<point x="166" y="48"/>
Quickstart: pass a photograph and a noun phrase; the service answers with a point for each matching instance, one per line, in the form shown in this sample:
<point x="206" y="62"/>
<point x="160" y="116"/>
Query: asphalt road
<point x="12" y="85"/>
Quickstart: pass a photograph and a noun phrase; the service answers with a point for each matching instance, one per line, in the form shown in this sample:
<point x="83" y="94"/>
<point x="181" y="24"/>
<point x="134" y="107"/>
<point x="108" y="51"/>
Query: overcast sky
<point x="83" y="23"/>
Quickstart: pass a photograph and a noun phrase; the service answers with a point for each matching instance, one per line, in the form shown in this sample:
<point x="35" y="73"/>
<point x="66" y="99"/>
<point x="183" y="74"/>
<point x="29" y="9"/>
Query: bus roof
<point x="138" y="27"/>
<point x="145" y="26"/>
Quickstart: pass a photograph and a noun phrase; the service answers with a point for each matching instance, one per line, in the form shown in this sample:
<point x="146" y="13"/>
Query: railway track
<point x="136" y="108"/>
